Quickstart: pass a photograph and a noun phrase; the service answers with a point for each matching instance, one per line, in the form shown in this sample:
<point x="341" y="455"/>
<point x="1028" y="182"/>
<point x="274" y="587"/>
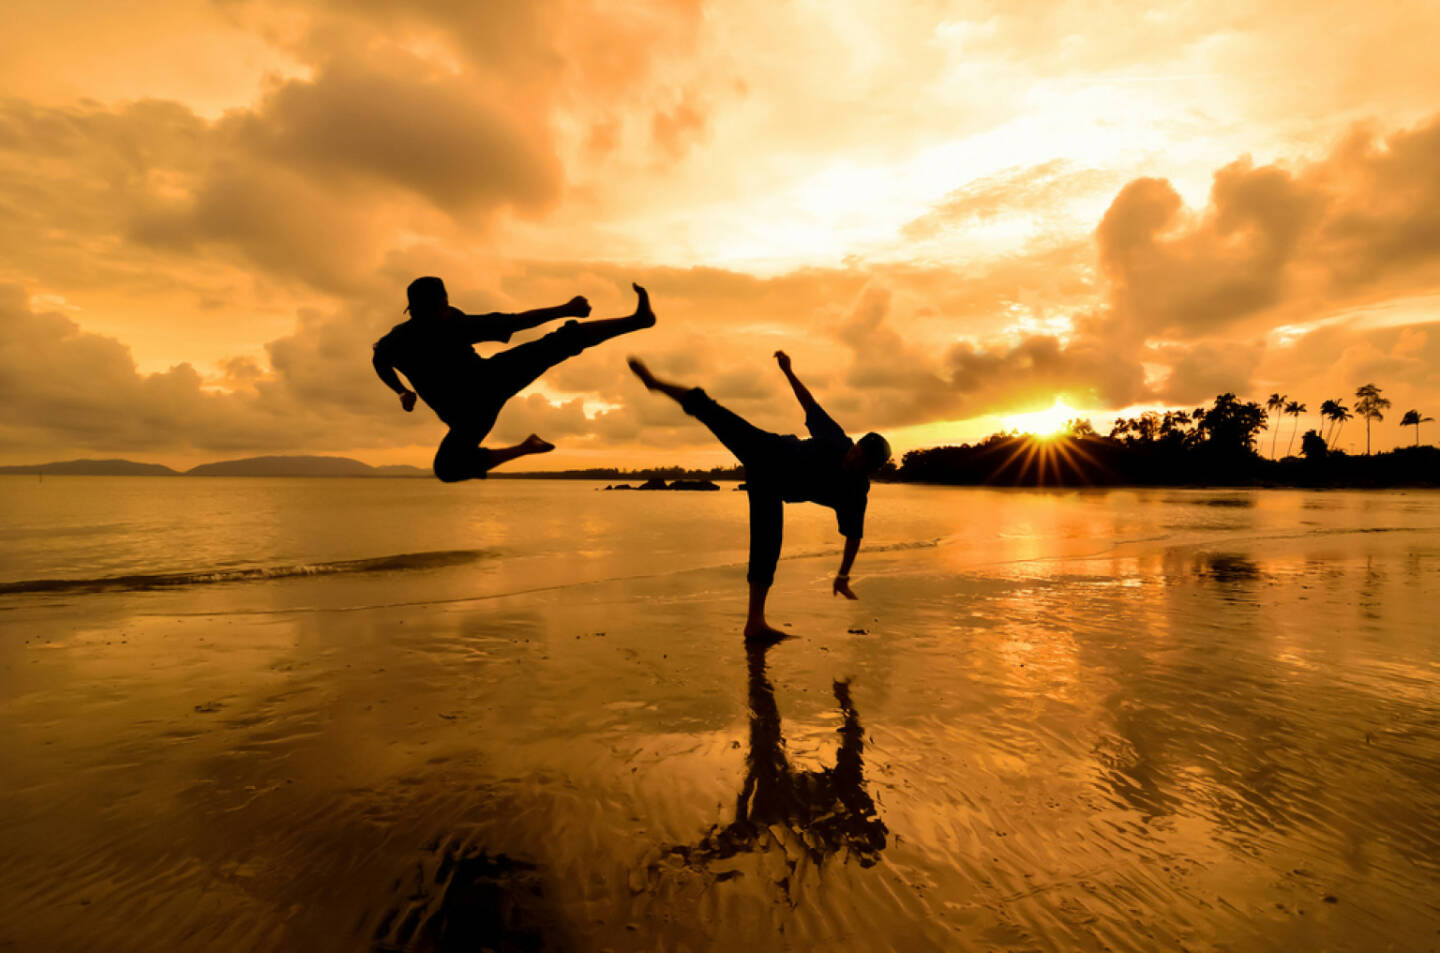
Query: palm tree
<point x="1342" y="414"/>
<point x="1277" y="404"/>
<point x="1369" y="404"/>
<point x="1327" y="414"/>
<point x="1294" y="408"/>
<point x="1174" y="424"/>
<point x="1331" y="410"/>
<point x="1412" y="418"/>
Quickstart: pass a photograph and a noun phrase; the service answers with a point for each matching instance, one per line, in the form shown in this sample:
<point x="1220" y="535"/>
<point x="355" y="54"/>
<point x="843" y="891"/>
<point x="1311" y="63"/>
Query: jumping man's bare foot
<point x="534" y="444"/>
<point x="644" y="316"/>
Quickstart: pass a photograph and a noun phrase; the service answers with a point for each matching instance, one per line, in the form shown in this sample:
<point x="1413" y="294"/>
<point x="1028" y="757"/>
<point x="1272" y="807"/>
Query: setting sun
<point x="1043" y="423"/>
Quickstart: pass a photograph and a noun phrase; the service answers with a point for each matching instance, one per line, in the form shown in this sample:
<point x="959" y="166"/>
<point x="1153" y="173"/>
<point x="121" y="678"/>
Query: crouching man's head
<point x="870" y="453"/>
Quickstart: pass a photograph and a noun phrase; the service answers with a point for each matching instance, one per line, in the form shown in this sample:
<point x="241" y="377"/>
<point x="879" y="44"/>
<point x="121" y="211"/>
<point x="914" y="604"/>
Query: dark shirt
<point x="437" y="356"/>
<point x="812" y="470"/>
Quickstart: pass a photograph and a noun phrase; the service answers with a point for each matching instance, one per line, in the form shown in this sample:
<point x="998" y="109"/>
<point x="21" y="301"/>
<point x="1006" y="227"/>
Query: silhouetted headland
<point x="299" y="466"/>
<point x="92" y="468"/>
<point x="330" y="466"/>
<point x="268" y="466"/>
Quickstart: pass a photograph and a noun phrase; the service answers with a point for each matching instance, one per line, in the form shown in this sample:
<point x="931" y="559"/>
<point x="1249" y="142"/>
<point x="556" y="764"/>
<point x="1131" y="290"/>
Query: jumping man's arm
<point x="386" y="372"/>
<point x="499" y="326"/>
<point x="842" y="578"/>
<point x="576" y="307"/>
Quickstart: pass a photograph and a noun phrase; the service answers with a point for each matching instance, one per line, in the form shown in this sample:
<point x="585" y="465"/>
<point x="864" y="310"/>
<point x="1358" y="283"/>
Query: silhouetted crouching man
<point x="434" y="351"/>
<point x="828" y="468"/>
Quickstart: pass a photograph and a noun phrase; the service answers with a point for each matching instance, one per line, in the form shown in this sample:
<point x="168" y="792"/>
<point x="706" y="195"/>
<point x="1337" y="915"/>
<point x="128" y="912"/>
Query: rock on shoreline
<point x="658" y="483"/>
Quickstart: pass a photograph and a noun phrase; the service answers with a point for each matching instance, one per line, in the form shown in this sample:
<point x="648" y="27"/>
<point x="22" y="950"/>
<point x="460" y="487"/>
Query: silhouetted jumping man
<point x="828" y="468"/>
<point x="434" y="351"/>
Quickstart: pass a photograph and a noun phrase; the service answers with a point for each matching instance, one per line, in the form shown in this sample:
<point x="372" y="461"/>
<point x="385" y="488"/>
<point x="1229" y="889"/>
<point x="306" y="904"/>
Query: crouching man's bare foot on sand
<point x="762" y="633"/>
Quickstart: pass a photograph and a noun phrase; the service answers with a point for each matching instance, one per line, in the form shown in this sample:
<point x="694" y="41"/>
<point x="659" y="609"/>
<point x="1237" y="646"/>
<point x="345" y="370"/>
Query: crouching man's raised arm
<point x="802" y="393"/>
<point x="819" y="423"/>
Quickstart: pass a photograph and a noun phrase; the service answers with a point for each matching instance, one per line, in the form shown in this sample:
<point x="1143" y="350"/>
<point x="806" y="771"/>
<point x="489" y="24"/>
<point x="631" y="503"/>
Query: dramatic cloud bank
<point x="944" y="217"/>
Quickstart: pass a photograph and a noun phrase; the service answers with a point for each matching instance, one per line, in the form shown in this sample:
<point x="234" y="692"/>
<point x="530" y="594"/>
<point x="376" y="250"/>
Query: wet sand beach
<point x="1124" y="720"/>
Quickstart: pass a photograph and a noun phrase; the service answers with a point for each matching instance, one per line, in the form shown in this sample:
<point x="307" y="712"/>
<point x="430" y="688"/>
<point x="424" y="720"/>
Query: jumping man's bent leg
<point x="461" y="458"/>
<point x="531" y="444"/>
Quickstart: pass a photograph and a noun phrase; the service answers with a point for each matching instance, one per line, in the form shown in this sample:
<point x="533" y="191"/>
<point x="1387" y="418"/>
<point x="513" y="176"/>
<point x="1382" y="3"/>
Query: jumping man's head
<point x="868" y="455"/>
<point x="427" y="298"/>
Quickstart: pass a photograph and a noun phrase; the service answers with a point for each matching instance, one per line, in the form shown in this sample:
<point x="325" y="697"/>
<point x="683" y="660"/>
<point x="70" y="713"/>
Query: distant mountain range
<point x="305" y="466"/>
<point x="312" y="466"/>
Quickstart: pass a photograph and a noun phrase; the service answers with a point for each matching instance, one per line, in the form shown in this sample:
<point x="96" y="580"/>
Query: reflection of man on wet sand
<point x="434" y="350"/>
<point x="827" y="811"/>
<point x="827" y="468"/>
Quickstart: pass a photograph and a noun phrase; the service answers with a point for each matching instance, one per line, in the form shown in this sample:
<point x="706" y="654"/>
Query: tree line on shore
<point x="1218" y="444"/>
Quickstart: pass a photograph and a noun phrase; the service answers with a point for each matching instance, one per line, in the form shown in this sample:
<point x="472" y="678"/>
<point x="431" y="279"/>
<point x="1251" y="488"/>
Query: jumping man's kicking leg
<point x="517" y="368"/>
<point x="767" y="511"/>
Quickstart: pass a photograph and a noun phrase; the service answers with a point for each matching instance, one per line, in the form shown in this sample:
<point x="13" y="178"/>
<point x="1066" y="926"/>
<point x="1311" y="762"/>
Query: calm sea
<point x="73" y="535"/>
<point x="386" y="714"/>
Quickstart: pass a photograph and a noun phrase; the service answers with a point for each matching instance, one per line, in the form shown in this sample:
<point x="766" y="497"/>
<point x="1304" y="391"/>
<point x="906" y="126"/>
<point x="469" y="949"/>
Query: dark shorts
<point x="471" y="407"/>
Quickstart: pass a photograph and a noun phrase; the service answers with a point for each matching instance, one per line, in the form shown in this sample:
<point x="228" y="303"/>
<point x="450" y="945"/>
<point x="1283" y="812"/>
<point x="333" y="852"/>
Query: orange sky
<point x="945" y="213"/>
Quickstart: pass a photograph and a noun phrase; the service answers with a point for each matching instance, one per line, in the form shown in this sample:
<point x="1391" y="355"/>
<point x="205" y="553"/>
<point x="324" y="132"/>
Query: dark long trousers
<point x="758" y="450"/>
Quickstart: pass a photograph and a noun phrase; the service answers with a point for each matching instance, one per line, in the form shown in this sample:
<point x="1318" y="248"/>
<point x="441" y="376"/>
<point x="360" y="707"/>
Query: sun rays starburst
<point x="1054" y="460"/>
